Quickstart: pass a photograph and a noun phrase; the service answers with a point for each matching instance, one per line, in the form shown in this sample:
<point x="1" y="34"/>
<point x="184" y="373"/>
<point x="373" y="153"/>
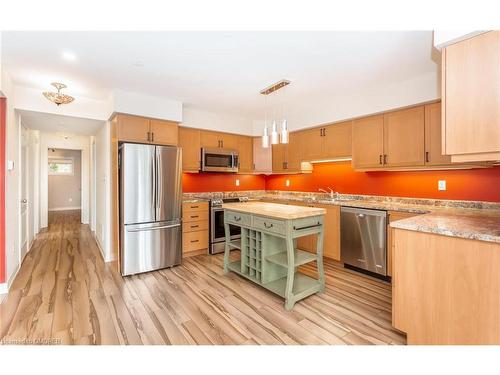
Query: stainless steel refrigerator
<point x="150" y="207"/>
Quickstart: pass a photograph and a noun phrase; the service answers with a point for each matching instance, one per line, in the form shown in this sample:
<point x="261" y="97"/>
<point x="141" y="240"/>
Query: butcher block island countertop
<point x="268" y="247"/>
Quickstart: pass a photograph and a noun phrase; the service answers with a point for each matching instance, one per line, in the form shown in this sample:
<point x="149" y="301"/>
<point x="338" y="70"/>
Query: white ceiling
<point x="218" y="71"/>
<point x="48" y="122"/>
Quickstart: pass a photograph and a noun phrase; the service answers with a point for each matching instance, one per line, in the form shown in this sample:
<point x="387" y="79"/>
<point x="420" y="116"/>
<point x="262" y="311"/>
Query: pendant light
<point x="276" y="136"/>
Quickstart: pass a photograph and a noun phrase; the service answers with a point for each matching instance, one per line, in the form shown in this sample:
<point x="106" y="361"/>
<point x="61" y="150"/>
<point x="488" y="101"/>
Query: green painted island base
<point x="272" y="259"/>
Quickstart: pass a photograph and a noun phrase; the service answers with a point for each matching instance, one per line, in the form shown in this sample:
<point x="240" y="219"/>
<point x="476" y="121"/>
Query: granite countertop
<point x="483" y="225"/>
<point x="275" y="210"/>
<point x="470" y="220"/>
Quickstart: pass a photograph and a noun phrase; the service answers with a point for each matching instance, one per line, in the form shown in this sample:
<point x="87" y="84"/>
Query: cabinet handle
<point x="152" y="136"/>
<point x="222" y="144"/>
<point x="149" y="137"/>
<point x="268" y="225"/>
<point x="380" y="159"/>
<point x="385" y="158"/>
<point x="427" y="156"/>
<point x="193" y="241"/>
<point x="236" y="218"/>
<point x="194" y="206"/>
<point x="194" y="216"/>
<point x="324" y="132"/>
<point x="195" y="226"/>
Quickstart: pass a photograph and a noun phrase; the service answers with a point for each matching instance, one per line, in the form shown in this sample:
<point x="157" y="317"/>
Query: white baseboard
<point x="65" y="208"/>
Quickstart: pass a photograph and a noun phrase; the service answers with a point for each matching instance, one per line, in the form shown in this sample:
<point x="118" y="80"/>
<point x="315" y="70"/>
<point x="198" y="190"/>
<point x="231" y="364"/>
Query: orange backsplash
<point x="203" y="182"/>
<point x="468" y="184"/>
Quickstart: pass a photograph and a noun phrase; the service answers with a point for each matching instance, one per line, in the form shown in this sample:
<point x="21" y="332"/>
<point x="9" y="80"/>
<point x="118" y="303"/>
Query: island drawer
<point x="269" y="225"/>
<point x="237" y="218"/>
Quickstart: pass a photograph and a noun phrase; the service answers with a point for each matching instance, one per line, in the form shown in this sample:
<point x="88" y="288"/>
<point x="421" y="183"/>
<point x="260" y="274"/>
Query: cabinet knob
<point x="427" y="156"/>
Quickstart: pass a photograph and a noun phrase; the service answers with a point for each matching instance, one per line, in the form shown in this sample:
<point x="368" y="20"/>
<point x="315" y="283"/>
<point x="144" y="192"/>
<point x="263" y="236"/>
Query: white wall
<point x="198" y="118"/>
<point x="73" y="142"/>
<point x="32" y="100"/>
<point x="146" y="105"/>
<point x="12" y="191"/>
<point x="377" y="99"/>
<point x="103" y="192"/>
<point x="65" y="190"/>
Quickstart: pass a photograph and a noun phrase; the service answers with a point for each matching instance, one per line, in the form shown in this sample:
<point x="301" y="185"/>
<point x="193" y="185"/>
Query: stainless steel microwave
<point x="219" y="160"/>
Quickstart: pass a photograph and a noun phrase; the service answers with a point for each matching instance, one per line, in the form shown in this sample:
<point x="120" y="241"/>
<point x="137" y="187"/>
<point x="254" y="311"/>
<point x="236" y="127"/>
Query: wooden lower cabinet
<point x="393" y="216"/>
<point x="446" y="290"/>
<point x="194" y="228"/>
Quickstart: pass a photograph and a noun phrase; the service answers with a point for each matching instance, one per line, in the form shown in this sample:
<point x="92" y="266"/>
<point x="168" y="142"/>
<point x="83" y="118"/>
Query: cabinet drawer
<point x="237" y="218"/>
<point x="194" y="206"/>
<point x="190" y="216"/>
<point x="194" y="226"/>
<point x="192" y="241"/>
<point x="269" y="225"/>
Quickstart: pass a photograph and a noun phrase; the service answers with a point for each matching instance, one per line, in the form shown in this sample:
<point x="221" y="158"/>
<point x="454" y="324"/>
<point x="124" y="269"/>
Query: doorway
<point x="64" y="180"/>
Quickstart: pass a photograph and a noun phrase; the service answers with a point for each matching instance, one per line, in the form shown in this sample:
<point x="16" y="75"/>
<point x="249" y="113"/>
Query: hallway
<point x="66" y="294"/>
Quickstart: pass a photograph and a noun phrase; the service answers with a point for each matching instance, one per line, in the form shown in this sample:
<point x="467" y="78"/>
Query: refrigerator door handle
<point x="144" y="229"/>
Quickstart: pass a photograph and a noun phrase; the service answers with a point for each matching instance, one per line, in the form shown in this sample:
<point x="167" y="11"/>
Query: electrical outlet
<point x="442" y="185"/>
<point x="237" y="182"/>
<point x="287" y="183"/>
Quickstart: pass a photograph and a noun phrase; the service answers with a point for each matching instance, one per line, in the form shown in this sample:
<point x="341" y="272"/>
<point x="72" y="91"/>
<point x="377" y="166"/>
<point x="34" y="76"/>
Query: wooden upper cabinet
<point x="311" y="143"/>
<point x="245" y="151"/>
<point x="229" y="141"/>
<point x="262" y="157"/>
<point x="210" y="139"/>
<point x="279" y="158"/>
<point x="471" y="97"/>
<point x="404" y="137"/>
<point x="164" y="132"/>
<point x="145" y="130"/>
<point x="368" y="142"/>
<point x="337" y="140"/>
<point x="189" y="140"/>
<point x="433" y="150"/>
<point x="133" y="128"/>
<point x="292" y="153"/>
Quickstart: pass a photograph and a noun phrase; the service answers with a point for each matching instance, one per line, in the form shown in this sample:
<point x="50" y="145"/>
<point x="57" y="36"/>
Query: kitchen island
<point x="268" y="247"/>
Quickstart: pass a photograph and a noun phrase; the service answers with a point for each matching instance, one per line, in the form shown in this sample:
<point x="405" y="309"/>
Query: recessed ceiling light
<point x="68" y="56"/>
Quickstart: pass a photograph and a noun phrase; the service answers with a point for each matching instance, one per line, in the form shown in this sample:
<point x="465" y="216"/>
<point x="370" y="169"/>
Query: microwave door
<point x="168" y="183"/>
<point x="137" y="183"/>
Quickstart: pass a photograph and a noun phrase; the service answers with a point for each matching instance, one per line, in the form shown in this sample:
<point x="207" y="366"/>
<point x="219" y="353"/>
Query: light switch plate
<point x="287" y="183"/>
<point x="442" y="185"/>
<point x="237" y="182"/>
<point x="10" y="165"/>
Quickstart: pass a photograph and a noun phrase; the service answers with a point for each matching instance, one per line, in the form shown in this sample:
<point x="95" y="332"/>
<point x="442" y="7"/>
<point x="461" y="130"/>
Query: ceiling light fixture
<point x="68" y="56"/>
<point x="276" y="137"/>
<point x="58" y="97"/>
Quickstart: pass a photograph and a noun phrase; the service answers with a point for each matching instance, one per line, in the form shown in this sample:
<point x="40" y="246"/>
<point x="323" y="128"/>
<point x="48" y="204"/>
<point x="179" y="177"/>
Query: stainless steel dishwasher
<point x="363" y="239"/>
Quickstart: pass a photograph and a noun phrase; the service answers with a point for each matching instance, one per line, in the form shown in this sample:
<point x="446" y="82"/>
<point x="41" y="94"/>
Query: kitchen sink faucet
<point x="333" y="194"/>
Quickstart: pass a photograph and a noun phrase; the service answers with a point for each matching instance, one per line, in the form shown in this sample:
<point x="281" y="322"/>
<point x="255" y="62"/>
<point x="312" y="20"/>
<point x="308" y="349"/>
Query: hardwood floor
<point x="64" y="293"/>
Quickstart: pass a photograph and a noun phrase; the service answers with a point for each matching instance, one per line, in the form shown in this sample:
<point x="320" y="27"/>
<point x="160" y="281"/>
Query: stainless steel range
<point x="217" y="234"/>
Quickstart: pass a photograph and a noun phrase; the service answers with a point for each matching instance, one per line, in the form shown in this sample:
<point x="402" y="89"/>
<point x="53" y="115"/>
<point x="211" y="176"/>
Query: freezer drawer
<point x="363" y="239"/>
<point x="148" y="247"/>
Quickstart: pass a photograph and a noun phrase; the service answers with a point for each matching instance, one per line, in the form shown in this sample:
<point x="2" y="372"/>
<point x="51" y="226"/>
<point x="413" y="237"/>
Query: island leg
<point x="226" y="247"/>
<point x="289" y="297"/>
<point x="319" y="260"/>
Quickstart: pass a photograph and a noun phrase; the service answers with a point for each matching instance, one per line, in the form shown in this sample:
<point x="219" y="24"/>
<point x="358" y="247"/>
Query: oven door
<point x="217" y="233"/>
<point x="219" y="160"/>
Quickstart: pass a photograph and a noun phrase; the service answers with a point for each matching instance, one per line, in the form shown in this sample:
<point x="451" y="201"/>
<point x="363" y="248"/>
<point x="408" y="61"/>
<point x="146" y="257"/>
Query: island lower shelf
<point x="269" y="254"/>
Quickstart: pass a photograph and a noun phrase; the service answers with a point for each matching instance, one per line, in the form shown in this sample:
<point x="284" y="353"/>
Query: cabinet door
<point x="133" y="128"/>
<point x="164" y="132"/>
<point x="404" y="137"/>
<point x="245" y="151"/>
<point x="368" y="142"/>
<point x="229" y="141"/>
<point x="433" y="151"/>
<point x="262" y="157"/>
<point x="189" y="140"/>
<point x="337" y="140"/>
<point x="292" y="153"/>
<point x="278" y="157"/>
<point x="331" y="240"/>
<point x="311" y="144"/>
<point x="471" y="95"/>
<point x="210" y="139"/>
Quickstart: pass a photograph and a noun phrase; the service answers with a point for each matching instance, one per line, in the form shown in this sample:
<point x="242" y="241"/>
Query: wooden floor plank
<point x="65" y="293"/>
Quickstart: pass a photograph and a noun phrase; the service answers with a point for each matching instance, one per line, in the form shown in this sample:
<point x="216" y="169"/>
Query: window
<point x="61" y="166"/>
